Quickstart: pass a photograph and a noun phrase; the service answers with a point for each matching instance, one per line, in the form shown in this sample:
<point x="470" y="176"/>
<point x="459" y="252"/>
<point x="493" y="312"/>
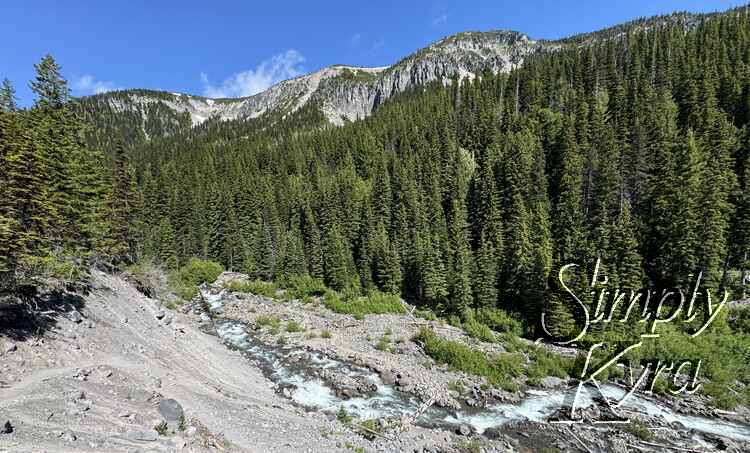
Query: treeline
<point x="64" y="205"/>
<point x="632" y="149"/>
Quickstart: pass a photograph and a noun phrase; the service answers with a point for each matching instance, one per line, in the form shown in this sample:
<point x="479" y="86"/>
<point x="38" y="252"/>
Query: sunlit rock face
<point x="342" y="93"/>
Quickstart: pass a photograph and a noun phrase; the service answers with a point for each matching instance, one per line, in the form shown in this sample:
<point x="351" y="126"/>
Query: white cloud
<point x="277" y="68"/>
<point x="439" y="20"/>
<point x="379" y="44"/>
<point x="86" y="84"/>
<point x="355" y="39"/>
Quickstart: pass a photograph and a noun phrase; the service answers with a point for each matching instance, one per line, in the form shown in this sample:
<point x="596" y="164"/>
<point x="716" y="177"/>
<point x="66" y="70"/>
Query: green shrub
<point x="343" y="415"/>
<point x="499" y="321"/>
<point x="304" y="287"/>
<point x="427" y="314"/>
<point x="294" y="327"/>
<point x="481" y="332"/>
<point x="258" y="287"/>
<point x="499" y="370"/>
<point x="185" y="291"/>
<point x="326" y="334"/>
<point x="721" y="396"/>
<point x="374" y="302"/>
<point x="545" y="363"/>
<point x="198" y="271"/>
<point x="162" y="428"/>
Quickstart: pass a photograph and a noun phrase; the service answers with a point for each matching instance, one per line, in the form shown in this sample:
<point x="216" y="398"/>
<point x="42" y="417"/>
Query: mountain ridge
<point x="345" y="93"/>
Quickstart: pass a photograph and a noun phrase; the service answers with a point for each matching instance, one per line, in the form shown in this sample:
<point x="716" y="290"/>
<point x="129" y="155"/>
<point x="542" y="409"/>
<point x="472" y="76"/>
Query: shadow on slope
<point x="30" y="314"/>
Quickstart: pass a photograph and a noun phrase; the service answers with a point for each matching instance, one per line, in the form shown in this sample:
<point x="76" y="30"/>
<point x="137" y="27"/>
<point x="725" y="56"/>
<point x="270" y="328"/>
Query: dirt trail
<point x="94" y="385"/>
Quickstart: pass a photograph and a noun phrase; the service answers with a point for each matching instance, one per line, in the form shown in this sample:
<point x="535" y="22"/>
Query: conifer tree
<point x="7" y="97"/>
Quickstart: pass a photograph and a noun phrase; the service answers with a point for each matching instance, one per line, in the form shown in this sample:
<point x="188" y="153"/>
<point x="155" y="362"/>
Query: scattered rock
<point x="160" y="314"/>
<point x="171" y="410"/>
<point x="463" y="430"/>
<point x="9" y="347"/>
<point x="81" y="374"/>
<point x="7" y="428"/>
<point x="551" y="382"/>
<point x="167" y="320"/>
<point x="75" y="316"/>
<point x="142" y="436"/>
<point x="388" y="378"/>
<point x="493" y="433"/>
<point x="69" y="437"/>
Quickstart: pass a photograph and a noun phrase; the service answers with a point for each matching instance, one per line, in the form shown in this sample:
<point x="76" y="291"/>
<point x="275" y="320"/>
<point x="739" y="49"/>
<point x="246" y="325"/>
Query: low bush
<point x="640" y="430"/>
<point x="326" y="334"/>
<point x="499" y="321"/>
<point x="499" y="370"/>
<point x="545" y="363"/>
<point x="374" y="302"/>
<point x="197" y="271"/>
<point x="304" y="287"/>
<point x="481" y="332"/>
<point x="370" y="428"/>
<point x="427" y="314"/>
<point x="343" y="415"/>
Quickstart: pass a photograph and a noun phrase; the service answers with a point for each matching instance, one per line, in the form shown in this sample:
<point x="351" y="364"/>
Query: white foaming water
<point x="215" y="301"/>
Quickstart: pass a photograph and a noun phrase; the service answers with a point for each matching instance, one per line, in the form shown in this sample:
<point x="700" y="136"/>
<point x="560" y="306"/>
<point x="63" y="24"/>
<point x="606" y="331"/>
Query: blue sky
<point x="233" y="48"/>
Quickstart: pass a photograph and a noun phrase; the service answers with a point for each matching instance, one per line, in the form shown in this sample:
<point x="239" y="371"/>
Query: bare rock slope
<point x="105" y="375"/>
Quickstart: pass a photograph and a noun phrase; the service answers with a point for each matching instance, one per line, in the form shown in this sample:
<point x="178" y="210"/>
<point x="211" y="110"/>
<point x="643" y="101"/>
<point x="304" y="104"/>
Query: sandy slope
<point x="133" y="360"/>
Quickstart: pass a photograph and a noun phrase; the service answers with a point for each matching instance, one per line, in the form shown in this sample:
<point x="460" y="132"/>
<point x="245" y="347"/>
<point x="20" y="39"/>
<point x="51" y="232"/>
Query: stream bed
<point x="295" y="371"/>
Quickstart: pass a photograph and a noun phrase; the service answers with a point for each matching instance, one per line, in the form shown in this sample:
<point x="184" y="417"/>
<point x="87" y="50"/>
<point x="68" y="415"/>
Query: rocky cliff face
<point x="343" y="93"/>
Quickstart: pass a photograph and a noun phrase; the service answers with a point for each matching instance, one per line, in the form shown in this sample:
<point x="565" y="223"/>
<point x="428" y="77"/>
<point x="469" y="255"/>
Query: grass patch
<point x="456" y="386"/>
<point x="383" y="344"/>
<point x="259" y="287"/>
<point x="294" y="327"/>
<point x="370" y="428"/>
<point x="268" y="321"/>
<point x="374" y="302"/>
<point x="469" y="446"/>
<point x="326" y="334"/>
<point x="640" y="430"/>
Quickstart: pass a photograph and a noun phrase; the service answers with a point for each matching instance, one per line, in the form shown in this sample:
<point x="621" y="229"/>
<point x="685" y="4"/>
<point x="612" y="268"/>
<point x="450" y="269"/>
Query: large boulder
<point x="172" y="413"/>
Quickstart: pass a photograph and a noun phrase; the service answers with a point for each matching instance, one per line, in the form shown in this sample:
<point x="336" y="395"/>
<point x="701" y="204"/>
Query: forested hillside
<point x="64" y="205"/>
<point x="633" y="149"/>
